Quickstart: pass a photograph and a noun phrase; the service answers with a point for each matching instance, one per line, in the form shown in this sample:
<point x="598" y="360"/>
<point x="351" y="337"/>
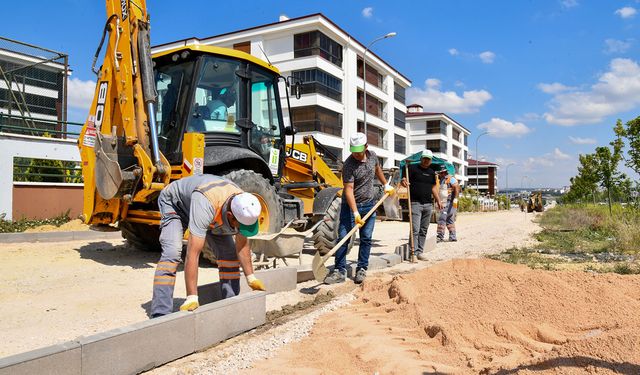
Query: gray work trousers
<point x="171" y="234"/>
<point x="420" y="217"/>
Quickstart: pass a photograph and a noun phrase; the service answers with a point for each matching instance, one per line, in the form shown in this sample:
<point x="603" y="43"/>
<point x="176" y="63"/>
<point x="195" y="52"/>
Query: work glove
<point x="388" y="189"/>
<point x="255" y="283"/>
<point x="455" y="203"/>
<point x="191" y="303"/>
<point x="358" y="219"/>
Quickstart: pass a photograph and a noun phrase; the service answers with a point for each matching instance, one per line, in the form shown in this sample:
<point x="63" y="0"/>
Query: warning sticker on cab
<point x="274" y="160"/>
<point x="198" y="166"/>
<point x="89" y="139"/>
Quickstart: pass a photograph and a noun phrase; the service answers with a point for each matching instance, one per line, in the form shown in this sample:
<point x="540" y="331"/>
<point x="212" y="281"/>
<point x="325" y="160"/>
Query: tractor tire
<point x="252" y="182"/>
<point x="141" y="236"/>
<point x="326" y="236"/>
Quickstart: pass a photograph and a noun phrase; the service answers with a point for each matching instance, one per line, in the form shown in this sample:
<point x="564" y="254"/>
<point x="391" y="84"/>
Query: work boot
<point x="452" y="239"/>
<point x="422" y="256"/>
<point x="438" y="240"/>
<point x="361" y="274"/>
<point x="335" y="277"/>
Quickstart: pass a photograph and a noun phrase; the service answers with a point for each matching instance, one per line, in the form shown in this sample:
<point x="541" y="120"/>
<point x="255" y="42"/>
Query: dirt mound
<point x="73" y="225"/>
<point x="479" y="316"/>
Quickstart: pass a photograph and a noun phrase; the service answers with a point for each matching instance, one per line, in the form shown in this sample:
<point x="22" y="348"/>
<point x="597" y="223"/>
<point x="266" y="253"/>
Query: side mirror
<point x="289" y="130"/>
<point x="298" y="89"/>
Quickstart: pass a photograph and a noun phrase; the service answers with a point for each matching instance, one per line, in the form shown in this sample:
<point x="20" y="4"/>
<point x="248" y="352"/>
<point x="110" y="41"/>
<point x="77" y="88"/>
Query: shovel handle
<point x="354" y="229"/>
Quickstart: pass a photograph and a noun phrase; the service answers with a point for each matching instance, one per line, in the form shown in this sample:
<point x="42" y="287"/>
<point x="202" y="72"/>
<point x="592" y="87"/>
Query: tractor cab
<point x="229" y="96"/>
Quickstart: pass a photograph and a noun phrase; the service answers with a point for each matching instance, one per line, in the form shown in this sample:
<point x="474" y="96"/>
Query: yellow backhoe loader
<point x="193" y="109"/>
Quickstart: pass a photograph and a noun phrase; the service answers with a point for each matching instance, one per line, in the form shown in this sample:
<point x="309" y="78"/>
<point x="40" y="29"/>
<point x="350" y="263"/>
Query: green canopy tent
<point x="436" y="163"/>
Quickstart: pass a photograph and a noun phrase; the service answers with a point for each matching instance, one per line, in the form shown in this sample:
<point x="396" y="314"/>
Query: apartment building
<point x="441" y="134"/>
<point x="329" y="63"/>
<point x="32" y="87"/>
<point x="483" y="176"/>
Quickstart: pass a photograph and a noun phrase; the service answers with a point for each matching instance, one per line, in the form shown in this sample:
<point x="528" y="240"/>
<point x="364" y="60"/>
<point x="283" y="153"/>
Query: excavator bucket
<point x="107" y="170"/>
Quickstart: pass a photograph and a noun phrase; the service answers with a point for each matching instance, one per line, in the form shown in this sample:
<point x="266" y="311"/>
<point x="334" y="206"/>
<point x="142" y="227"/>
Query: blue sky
<point x="547" y="78"/>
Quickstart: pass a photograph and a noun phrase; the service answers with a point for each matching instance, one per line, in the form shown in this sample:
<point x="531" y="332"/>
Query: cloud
<point x="553" y="88"/>
<point x="499" y="128"/>
<point x="559" y="155"/>
<point x="626" y="12"/>
<point x="567" y="4"/>
<point x="431" y="98"/>
<point x="616" y="46"/>
<point x="582" y="141"/>
<point x="617" y="90"/>
<point x="367" y="12"/>
<point x="80" y="93"/>
<point x="487" y="57"/>
<point x="550" y="159"/>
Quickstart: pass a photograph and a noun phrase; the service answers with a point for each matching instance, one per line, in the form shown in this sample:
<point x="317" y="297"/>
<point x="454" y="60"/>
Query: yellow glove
<point x="455" y="203"/>
<point x="255" y="283"/>
<point x="388" y="189"/>
<point x="191" y="303"/>
<point x="358" y="220"/>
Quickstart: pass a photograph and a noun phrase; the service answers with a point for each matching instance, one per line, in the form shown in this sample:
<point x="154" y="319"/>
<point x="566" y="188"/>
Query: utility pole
<point x="478" y="173"/>
<point x="364" y="78"/>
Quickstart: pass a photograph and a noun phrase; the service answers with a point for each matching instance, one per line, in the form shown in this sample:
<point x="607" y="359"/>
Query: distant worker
<point x="358" y="198"/>
<point x="422" y="182"/>
<point x="208" y="206"/>
<point x="449" y="191"/>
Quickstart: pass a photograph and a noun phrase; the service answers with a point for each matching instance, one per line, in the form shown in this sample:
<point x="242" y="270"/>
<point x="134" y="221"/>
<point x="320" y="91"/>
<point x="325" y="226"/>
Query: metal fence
<point x="46" y="170"/>
<point x="33" y="88"/>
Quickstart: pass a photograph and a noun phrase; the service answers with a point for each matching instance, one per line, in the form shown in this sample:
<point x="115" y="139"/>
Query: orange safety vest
<point x="218" y="193"/>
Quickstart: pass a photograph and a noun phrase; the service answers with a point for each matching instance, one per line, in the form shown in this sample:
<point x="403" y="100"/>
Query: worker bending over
<point x="209" y="206"/>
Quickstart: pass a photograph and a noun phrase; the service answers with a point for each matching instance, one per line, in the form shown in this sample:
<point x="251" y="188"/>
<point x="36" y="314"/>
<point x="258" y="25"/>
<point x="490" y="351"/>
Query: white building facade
<point x="441" y="134"/>
<point x="329" y="63"/>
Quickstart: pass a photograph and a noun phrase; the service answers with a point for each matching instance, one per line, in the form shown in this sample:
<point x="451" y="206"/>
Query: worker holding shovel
<point x="421" y="180"/>
<point x="358" y="197"/>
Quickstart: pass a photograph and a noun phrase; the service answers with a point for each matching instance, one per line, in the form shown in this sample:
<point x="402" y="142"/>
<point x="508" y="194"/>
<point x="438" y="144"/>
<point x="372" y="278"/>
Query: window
<point x="399" y="118"/>
<point x="400" y="144"/>
<point x="314" y="118"/>
<point x="398" y="92"/>
<point x="375" y="135"/>
<point x="456" y="151"/>
<point x="437" y="145"/>
<point x="320" y="82"/>
<point x="318" y="44"/>
<point x="465" y="140"/>
<point x="456" y="134"/>
<point x="373" y="76"/>
<point x="374" y="106"/>
<point x="465" y="155"/>
<point x="482" y="170"/>
<point x="436" y="127"/>
<point x="264" y="114"/>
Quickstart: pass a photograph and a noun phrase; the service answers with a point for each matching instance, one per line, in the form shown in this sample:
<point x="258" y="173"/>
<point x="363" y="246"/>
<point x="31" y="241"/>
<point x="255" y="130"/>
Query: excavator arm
<point x="121" y="161"/>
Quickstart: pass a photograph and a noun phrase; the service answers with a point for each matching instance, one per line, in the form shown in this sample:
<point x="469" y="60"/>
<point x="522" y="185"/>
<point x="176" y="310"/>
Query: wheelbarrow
<point x="286" y="243"/>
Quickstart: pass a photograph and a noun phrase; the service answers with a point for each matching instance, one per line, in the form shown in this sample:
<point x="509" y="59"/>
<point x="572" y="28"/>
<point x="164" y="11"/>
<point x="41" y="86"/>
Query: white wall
<point x="14" y="145"/>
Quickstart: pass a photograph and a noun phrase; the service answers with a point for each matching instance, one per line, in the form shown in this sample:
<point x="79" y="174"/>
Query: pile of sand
<point x="478" y="316"/>
<point x="70" y="226"/>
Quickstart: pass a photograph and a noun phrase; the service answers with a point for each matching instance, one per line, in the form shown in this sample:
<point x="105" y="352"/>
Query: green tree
<point x="607" y="160"/>
<point x="585" y="184"/>
<point x="632" y="133"/>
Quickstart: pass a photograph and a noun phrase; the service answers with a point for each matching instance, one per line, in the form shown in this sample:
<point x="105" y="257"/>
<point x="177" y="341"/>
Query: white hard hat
<point x="246" y="209"/>
<point x="426" y="153"/>
<point x="357" y="142"/>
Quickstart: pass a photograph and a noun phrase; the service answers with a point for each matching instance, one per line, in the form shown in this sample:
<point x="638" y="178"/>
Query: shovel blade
<point x="318" y="267"/>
